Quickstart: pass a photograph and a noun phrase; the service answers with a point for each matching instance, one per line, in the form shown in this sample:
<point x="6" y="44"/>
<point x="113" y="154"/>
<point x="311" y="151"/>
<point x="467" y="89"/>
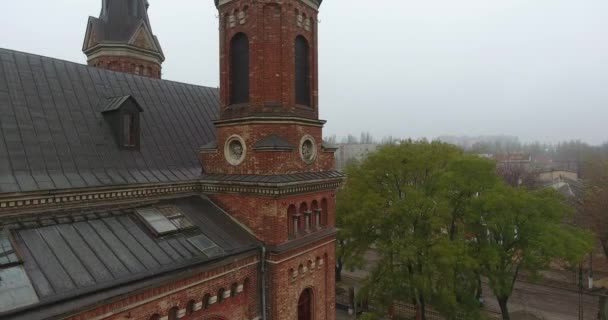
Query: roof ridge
<point x="106" y="70"/>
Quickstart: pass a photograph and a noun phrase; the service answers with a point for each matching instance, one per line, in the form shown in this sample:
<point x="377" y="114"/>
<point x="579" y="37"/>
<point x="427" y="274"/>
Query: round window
<point x="235" y="150"/>
<point x="308" y="149"/>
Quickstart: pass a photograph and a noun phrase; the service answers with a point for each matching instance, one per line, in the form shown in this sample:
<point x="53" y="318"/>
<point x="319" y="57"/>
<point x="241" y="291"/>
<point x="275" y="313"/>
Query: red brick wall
<point x="159" y="300"/>
<point x="128" y="65"/>
<point x="268" y="162"/>
<point x="272" y="28"/>
<point x="267" y="217"/>
<point x="314" y="269"/>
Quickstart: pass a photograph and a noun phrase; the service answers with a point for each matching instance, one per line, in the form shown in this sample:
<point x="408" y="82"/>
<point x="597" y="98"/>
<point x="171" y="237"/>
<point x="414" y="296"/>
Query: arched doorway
<point x="305" y="305"/>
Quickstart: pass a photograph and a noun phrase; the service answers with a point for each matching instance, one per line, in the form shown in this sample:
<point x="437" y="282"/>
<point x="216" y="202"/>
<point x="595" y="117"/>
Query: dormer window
<point x="129" y="130"/>
<point x="122" y="114"/>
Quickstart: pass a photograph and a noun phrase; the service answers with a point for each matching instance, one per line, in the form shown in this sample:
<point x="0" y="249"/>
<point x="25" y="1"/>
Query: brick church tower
<point x="121" y="39"/>
<point x="269" y="167"/>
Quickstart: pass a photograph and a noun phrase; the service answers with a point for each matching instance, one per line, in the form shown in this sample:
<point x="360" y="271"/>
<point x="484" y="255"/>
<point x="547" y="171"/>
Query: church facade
<point x="125" y="196"/>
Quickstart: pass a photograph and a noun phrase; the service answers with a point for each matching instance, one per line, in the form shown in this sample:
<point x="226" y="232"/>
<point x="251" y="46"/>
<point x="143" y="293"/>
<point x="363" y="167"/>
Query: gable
<point x="143" y="38"/>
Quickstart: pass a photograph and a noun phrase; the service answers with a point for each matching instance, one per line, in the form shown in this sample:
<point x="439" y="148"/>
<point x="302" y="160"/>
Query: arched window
<point x="239" y="69"/>
<point x="233" y="289"/>
<point x="190" y="307"/>
<point x="324" y="212"/>
<point x="220" y="295"/>
<point x="292" y="217"/>
<point x="206" y="299"/>
<point x="305" y="223"/>
<point x="173" y="313"/>
<point x="316" y="213"/>
<point x="302" y="71"/>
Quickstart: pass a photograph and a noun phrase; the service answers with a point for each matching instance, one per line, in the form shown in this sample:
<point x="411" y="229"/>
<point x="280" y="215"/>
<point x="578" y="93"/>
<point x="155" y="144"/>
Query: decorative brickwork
<point x="272" y="28"/>
<point x="268" y="218"/>
<point x="243" y="303"/>
<point x="128" y="65"/>
<point x="280" y="115"/>
<point x="268" y="161"/>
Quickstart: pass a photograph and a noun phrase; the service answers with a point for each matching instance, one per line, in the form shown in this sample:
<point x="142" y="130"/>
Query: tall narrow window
<point x="292" y="220"/>
<point x="302" y="71"/>
<point x="130" y="130"/>
<point x="239" y="69"/>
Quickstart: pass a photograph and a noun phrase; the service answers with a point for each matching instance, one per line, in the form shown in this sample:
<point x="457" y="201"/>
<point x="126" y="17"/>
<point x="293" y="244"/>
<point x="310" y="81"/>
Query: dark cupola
<point x="121" y="39"/>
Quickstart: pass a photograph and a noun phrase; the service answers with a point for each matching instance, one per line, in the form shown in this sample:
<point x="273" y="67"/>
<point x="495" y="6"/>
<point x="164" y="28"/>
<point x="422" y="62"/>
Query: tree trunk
<point x="504" y="309"/>
<point x="339" y="270"/>
<point x="422" y="310"/>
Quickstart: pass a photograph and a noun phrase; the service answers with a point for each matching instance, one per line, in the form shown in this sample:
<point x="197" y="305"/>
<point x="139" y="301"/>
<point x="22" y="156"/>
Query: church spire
<point x="121" y="39"/>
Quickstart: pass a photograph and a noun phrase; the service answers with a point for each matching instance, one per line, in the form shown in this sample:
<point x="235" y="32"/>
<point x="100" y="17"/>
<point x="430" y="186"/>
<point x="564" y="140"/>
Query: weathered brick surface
<point x="159" y="300"/>
<point x="268" y="162"/>
<point x="272" y="27"/>
<point x="268" y="219"/>
<point x="128" y="65"/>
<point x="311" y="267"/>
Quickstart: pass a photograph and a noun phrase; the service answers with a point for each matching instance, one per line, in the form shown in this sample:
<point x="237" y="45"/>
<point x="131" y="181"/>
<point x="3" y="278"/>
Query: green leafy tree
<point x="518" y="230"/>
<point x="398" y="201"/>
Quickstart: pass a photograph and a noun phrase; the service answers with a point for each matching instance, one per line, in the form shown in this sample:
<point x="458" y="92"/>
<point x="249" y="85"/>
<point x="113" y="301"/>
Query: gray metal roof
<point x="117" y="23"/>
<point x="54" y="136"/>
<point x="67" y="255"/>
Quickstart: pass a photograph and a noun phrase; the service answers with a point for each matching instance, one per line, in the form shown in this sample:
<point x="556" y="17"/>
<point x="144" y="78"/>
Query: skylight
<point x="165" y="220"/>
<point x="205" y="245"/>
<point x="8" y="255"/>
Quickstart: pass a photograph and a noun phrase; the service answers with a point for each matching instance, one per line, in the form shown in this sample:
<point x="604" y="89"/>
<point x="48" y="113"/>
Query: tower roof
<point x="121" y="22"/>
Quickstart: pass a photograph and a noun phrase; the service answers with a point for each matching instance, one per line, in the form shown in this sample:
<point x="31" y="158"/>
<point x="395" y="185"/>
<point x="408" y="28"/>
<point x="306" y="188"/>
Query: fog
<point x="409" y="68"/>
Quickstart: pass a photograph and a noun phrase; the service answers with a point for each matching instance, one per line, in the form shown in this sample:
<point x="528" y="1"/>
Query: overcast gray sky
<point x="537" y="69"/>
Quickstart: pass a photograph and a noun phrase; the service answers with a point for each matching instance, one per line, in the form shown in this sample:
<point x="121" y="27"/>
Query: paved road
<point x="551" y="303"/>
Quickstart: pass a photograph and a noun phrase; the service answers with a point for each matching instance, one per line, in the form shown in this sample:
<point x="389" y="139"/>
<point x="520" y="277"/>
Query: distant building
<point x="352" y="152"/>
<point x="557" y="175"/>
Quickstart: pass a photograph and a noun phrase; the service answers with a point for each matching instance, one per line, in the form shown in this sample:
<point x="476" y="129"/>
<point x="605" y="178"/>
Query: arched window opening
<point x="220" y="295"/>
<point x="316" y="212"/>
<point x="239" y="69"/>
<point x="173" y="313"/>
<point x="293" y="222"/>
<point x="302" y="71"/>
<point x="190" y="307"/>
<point x="206" y="299"/>
<point x="304" y="212"/>
<point x="233" y="289"/>
<point x="310" y="266"/>
<point x="324" y="212"/>
<point x="155" y="316"/>
<point x="305" y="305"/>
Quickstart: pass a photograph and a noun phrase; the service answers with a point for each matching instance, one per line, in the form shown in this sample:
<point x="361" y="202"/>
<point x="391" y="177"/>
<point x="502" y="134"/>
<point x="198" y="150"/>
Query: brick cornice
<point x="271" y="189"/>
<point x="270" y="120"/>
<point x="33" y="202"/>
